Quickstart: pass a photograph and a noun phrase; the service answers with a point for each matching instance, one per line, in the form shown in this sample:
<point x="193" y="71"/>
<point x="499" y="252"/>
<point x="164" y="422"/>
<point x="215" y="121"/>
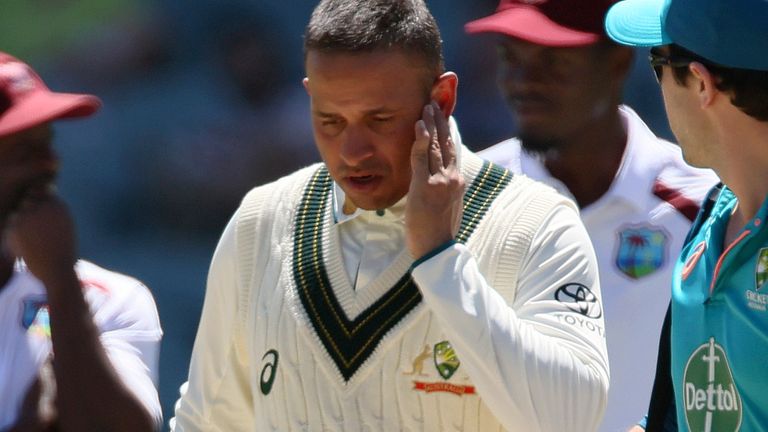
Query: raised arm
<point x="537" y="356"/>
<point x="91" y="392"/>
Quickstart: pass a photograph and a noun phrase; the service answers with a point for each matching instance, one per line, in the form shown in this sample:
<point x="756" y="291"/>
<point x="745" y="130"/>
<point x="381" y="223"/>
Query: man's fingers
<point x="447" y="149"/>
<point x="18" y="181"/>
<point x="419" y="158"/>
<point x="28" y="172"/>
<point x="435" y="152"/>
<point x="33" y="394"/>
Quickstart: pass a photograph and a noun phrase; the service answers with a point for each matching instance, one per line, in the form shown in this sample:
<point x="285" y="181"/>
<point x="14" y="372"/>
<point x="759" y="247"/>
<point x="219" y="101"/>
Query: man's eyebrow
<point x="382" y="110"/>
<point x="323" y="114"/>
<point x="372" y="111"/>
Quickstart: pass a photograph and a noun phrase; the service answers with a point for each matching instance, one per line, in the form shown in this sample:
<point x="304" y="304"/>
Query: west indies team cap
<point x="25" y="100"/>
<point x="731" y="33"/>
<point x="556" y="23"/>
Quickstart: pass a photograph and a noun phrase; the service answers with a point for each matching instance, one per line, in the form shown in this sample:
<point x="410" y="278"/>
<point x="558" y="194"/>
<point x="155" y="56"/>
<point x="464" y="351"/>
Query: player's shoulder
<point x="538" y="190"/>
<point x="506" y="153"/>
<point x="97" y="277"/>
<point x="664" y="161"/>
<point x="678" y="178"/>
<point x="520" y="190"/>
<point x="118" y="300"/>
<point x="281" y="192"/>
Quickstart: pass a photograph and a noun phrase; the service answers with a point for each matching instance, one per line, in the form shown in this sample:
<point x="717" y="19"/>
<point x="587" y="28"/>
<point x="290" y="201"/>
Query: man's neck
<point x="743" y="166"/>
<point x="588" y="164"/>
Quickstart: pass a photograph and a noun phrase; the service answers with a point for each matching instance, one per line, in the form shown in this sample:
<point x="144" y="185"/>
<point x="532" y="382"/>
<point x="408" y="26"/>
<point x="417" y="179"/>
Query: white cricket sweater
<point x="503" y="332"/>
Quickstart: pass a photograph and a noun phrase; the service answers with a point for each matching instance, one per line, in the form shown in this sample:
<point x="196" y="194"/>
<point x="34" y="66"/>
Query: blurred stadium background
<point x="202" y="101"/>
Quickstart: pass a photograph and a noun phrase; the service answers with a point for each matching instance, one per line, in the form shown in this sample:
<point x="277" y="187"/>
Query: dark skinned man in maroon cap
<point x="563" y="79"/>
<point x="102" y="326"/>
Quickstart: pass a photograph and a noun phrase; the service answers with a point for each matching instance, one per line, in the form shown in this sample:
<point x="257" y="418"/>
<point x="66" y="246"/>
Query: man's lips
<point x="363" y="182"/>
<point x="361" y="178"/>
<point x="530" y="103"/>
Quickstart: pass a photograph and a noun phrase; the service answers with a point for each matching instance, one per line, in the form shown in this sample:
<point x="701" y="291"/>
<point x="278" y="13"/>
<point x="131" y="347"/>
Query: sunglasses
<point x="659" y="60"/>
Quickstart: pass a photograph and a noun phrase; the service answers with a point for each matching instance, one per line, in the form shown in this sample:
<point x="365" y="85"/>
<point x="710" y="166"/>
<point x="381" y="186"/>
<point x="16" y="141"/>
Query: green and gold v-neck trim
<point x="351" y="342"/>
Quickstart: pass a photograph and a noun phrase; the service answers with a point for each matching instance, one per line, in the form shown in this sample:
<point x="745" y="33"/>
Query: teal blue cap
<point x="731" y="33"/>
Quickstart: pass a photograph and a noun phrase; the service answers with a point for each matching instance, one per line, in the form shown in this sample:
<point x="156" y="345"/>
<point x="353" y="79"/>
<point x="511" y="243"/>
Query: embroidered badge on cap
<point x="16" y="77"/>
<point x="642" y="250"/>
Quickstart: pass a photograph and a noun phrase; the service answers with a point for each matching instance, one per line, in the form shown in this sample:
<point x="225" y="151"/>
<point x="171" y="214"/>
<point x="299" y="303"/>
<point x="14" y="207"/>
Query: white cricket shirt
<point x="124" y="312"/>
<point x="637" y="229"/>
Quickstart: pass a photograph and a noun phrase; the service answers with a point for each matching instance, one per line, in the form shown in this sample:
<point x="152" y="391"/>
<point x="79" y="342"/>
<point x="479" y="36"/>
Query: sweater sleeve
<point x="539" y="359"/>
<point x="217" y="395"/>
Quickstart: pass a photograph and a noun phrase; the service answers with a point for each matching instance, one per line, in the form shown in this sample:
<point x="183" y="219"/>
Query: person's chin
<point x="535" y="113"/>
<point x="536" y="142"/>
<point x="532" y="118"/>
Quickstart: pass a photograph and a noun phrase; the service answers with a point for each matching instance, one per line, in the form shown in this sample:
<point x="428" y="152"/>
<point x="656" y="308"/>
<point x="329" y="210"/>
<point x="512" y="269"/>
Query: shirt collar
<point x="640" y="164"/>
<point x="635" y="176"/>
<point x="395" y="212"/>
<point x="726" y="202"/>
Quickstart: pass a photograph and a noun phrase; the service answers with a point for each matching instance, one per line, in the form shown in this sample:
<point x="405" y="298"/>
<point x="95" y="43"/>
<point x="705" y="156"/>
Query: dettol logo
<point x="711" y="399"/>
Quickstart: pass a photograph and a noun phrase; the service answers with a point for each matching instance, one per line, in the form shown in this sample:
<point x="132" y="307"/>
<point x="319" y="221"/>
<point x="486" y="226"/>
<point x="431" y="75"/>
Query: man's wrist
<point x="433" y="252"/>
<point x="58" y="277"/>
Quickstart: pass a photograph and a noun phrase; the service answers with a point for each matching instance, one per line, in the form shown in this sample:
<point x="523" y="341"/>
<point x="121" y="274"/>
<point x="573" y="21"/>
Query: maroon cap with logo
<point x="25" y="101"/>
<point x="557" y="23"/>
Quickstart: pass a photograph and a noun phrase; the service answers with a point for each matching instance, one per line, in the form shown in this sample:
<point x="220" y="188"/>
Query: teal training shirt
<point x="720" y="324"/>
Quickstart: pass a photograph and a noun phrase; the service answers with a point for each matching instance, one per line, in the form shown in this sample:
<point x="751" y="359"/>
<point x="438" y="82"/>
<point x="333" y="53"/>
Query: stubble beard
<point x="539" y="146"/>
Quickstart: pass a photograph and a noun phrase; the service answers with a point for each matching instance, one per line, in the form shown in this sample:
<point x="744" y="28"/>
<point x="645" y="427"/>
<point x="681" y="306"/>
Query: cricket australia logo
<point x="446" y="361"/>
<point x="712" y="402"/>
<point x="761" y="268"/>
<point x="446" y="364"/>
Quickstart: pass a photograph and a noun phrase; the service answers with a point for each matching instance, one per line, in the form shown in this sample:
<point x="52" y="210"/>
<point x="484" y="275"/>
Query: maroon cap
<point x="558" y="23"/>
<point x="25" y="101"/>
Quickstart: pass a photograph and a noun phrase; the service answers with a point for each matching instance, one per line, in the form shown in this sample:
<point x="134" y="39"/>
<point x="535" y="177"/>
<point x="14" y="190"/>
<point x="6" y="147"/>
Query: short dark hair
<point x="355" y="26"/>
<point x="748" y="88"/>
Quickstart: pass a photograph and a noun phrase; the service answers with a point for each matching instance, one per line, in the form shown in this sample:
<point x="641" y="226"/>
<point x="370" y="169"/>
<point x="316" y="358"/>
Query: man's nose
<point x="522" y="75"/>
<point x="357" y="145"/>
<point x="41" y="152"/>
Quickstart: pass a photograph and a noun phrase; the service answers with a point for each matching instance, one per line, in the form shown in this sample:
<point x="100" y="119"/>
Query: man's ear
<point x="444" y="92"/>
<point x="305" y="83"/>
<point x="705" y="84"/>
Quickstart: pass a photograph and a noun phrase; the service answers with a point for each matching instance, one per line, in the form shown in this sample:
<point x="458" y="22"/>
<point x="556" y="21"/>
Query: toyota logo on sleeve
<point x="579" y="298"/>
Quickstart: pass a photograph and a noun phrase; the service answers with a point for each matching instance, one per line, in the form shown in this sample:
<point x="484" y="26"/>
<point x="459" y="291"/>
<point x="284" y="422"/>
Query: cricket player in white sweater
<point x="404" y="283"/>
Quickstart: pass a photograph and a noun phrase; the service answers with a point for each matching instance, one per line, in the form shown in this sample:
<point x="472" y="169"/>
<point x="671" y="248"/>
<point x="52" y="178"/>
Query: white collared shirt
<point x="371" y="240"/>
<point x="637" y="229"/>
<point x="123" y="311"/>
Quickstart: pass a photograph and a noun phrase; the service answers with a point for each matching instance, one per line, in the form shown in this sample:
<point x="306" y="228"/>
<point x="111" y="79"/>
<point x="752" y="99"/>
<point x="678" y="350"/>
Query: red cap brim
<point x="531" y="25"/>
<point x="43" y="106"/>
